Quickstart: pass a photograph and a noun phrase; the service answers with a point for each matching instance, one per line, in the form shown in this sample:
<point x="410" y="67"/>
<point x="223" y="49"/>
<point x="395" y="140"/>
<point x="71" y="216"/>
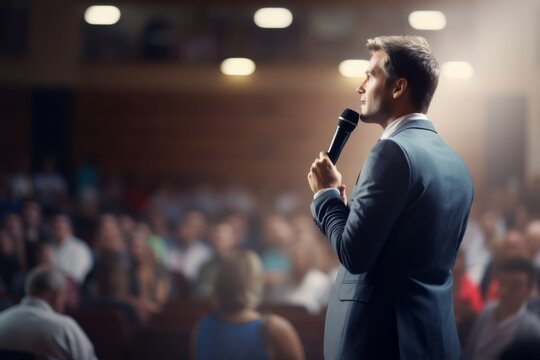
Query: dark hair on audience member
<point x="44" y="280"/>
<point x="238" y="282"/>
<point x="409" y="57"/>
<point x="519" y="265"/>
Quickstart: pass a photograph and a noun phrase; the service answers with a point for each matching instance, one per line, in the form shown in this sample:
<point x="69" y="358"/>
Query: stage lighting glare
<point x="237" y="66"/>
<point x="273" y="18"/>
<point x="102" y="15"/>
<point x="457" y="70"/>
<point x="427" y="20"/>
<point x="353" y="68"/>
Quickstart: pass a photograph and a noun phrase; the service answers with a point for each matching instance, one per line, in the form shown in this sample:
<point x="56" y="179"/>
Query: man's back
<point x="32" y="326"/>
<point x="405" y="219"/>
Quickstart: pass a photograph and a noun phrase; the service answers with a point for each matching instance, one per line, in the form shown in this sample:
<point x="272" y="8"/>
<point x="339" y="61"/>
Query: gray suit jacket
<point x="397" y="240"/>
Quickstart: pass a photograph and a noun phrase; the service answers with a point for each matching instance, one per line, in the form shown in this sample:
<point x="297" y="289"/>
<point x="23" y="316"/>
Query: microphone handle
<point x="338" y="143"/>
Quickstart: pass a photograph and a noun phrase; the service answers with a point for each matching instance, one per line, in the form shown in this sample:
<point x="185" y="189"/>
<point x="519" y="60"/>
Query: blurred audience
<point x="150" y="281"/>
<point x="223" y="239"/>
<point x="36" y="325"/>
<point x="70" y="254"/>
<point x="307" y="286"/>
<point x="277" y="238"/>
<point x="467" y="298"/>
<point x="507" y="319"/>
<point x="50" y="187"/>
<point x="11" y="273"/>
<point x="186" y="250"/>
<point x="512" y="245"/>
<point x="150" y="247"/>
<point x="237" y="331"/>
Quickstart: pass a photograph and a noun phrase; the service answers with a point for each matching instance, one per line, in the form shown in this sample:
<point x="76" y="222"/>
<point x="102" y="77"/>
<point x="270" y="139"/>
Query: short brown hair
<point x="409" y="57"/>
<point x="238" y="282"/>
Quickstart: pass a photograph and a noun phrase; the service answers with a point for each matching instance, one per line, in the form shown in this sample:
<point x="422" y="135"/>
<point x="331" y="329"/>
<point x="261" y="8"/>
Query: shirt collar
<point x="36" y="302"/>
<point x="394" y="125"/>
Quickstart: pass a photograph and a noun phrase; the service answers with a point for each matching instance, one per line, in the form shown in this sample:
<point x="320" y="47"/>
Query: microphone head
<point x="348" y="120"/>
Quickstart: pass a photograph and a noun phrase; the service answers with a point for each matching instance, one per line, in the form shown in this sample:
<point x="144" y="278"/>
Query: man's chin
<point x="365" y="118"/>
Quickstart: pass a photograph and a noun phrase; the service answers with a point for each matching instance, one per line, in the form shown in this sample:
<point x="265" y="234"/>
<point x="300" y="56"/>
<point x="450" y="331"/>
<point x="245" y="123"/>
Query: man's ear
<point x="400" y="86"/>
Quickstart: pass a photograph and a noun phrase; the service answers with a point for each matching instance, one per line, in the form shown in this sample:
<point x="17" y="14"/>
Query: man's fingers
<point x="323" y="155"/>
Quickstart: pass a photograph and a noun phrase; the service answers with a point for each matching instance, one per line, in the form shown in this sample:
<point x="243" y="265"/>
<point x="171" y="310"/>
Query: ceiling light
<point x="102" y="15"/>
<point x="273" y="18"/>
<point x="353" y="68"/>
<point x="457" y="70"/>
<point x="237" y="66"/>
<point x="427" y="20"/>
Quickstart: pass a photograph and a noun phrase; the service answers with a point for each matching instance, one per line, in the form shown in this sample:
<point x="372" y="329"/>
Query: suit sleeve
<point x="359" y="232"/>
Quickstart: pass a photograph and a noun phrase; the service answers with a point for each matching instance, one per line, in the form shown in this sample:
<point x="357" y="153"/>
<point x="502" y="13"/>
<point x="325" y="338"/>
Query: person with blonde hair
<point x="237" y="331"/>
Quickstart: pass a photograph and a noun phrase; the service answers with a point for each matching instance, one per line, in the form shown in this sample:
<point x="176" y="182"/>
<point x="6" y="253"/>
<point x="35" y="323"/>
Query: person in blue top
<point x="237" y="331"/>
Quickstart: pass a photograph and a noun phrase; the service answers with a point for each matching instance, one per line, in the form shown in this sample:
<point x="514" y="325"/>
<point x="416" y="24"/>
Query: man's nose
<point x="360" y="89"/>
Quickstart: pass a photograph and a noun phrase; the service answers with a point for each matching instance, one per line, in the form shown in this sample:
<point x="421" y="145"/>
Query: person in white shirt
<point x="308" y="286"/>
<point x="36" y="325"/>
<point x="507" y="320"/>
<point x="70" y="255"/>
<point x="186" y="251"/>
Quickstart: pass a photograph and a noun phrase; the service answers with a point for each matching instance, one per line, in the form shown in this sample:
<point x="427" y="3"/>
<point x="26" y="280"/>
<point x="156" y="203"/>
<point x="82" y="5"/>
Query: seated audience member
<point x="186" y="251"/>
<point x="507" y="319"/>
<point x="109" y="239"/>
<point x="50" y="187"/>
<point x="34" y="230"/>
<point x="159" y="232"/>
<point x="307" y="285"/>
<point x="110" y="286"/>
<point x="13" y="225"/>
<point x="150" y="280"/>
<point x="237" y="331"/>
<point x="11" y="274"/>
<point x="70" y="255"/>
<point x="512" y="245"/>
<point x="467" y="298"/>
<point x="277" y="238"/>
<point x="223" y="239"/>
<point x="36" y="324"/>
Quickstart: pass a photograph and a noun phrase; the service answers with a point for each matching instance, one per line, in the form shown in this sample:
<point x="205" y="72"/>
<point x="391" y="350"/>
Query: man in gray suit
<point x="398" y="235"/>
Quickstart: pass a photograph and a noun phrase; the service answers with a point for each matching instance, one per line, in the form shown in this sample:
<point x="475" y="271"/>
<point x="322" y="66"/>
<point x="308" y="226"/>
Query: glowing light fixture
<point x="457" y="70"/>
<point x="353" y="68"/>
<point x="237" y="66"/>
<point x="427" y="20"/>
<point x="102" y="15"/>
<point x="273" y="18"/>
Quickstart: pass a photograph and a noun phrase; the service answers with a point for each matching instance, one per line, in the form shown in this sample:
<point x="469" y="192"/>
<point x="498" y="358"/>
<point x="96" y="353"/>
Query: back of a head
<point x="43" y="281"/>
<point x="410" y="57"/>
<point x="238" y="282"/>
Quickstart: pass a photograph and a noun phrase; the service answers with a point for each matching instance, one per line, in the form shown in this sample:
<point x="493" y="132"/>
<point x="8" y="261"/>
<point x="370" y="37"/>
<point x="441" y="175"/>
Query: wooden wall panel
<point x="15" y="115"/>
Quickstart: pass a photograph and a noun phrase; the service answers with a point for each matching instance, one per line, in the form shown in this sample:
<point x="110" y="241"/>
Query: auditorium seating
<point x="168" y="334"/>
<point x="108" y="329"/>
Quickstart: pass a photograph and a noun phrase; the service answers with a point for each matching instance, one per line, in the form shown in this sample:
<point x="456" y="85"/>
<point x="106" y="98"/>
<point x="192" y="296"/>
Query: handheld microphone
<point x="346" y="124"/>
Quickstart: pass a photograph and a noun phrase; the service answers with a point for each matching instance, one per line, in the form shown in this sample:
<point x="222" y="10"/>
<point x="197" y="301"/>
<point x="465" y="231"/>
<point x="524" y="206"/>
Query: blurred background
<point x="192" y="124"/>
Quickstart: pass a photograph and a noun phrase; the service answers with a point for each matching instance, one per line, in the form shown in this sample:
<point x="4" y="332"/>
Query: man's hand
<point x="323" y="174"/>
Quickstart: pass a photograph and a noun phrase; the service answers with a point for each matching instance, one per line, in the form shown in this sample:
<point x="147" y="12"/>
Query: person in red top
<point x="468" y="302"/>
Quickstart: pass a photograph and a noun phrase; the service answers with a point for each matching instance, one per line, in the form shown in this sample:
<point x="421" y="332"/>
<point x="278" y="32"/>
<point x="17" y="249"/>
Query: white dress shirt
<point x="389" y="131"/>
<point x="33" y="326"/>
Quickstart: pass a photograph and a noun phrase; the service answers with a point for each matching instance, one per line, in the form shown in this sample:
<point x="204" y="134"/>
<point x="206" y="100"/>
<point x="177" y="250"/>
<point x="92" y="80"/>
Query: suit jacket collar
<point x="415" y="124"/>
